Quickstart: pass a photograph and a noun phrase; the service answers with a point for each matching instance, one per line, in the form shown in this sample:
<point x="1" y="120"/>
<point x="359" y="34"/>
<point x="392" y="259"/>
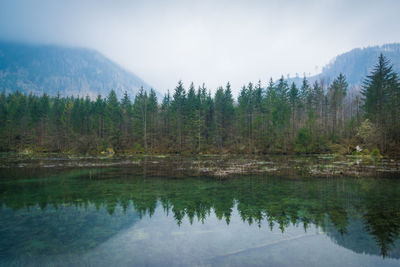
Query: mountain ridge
<point x="70" y="71"/>
<point x="355" y="64"/>
<point x="78" y="71"/>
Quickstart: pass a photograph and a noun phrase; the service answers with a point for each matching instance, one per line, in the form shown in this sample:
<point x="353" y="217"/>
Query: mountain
<point x="70" y="71"/>
<point x="359" y="240"/>
<point x="356" y="64"/>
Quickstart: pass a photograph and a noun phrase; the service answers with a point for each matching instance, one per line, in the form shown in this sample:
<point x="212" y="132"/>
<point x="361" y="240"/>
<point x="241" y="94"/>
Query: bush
<point x="368" y="133"/>
<point x="376" y="153"/>
<point x="320" y="145"/>
<point x="365" y="152"/>
<point x="138" y="148"/>
<point x="303" y="142"/>
<point x="338" y="149"/>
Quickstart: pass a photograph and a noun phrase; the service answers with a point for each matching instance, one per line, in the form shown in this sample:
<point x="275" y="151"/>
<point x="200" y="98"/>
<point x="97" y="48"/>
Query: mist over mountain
<point x="356" y="64"/>
<point x="84" y="72"/>
<point x="69" y="71"/>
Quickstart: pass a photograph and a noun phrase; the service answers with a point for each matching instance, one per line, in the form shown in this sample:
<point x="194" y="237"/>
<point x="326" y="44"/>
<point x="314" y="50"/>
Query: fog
<point x="206" y="41"/>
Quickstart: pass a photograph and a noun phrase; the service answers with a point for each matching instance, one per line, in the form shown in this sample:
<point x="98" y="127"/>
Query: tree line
<point x="277" y="118"/>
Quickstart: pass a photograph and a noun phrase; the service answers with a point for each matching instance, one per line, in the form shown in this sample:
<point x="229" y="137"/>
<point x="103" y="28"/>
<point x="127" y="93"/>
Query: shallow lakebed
<point x="125" y="215"/>
<point x="219" y="166"/>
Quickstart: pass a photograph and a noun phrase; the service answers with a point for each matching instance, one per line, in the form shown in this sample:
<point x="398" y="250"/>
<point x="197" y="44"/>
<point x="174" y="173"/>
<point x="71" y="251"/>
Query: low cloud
<point x="206" y="41"/>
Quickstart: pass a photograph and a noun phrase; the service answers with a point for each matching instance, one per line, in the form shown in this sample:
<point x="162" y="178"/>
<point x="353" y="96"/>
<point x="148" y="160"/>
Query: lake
<point x="117" y="216"/>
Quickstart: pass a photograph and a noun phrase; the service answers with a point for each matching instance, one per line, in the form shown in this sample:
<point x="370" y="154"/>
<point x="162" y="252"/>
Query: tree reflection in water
<point x="360" y="214"/>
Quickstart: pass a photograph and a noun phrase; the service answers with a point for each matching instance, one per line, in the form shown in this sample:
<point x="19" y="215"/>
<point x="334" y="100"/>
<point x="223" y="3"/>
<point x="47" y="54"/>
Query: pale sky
<point x="206" y="41"/>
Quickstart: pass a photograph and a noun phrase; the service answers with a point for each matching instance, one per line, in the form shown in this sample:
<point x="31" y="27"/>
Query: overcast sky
<point x="207" y="41"/>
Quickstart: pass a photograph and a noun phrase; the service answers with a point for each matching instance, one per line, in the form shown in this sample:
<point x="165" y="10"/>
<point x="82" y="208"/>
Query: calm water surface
<point x="113" y="217"/>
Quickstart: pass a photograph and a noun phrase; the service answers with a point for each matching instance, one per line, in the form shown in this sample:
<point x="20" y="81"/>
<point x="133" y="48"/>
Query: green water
<point x="114" y="217"/>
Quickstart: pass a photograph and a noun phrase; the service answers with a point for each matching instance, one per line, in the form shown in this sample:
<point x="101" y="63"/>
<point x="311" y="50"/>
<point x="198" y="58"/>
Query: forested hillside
<point x="356" y="64"/>
<point x="277" y="118"/>
<point x="52" y="69"/>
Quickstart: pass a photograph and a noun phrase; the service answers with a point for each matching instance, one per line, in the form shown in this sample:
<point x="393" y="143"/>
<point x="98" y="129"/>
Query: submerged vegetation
<point x="351" y="209"/>
<point x="218" y="166"/>
<point x="280" y="118"/>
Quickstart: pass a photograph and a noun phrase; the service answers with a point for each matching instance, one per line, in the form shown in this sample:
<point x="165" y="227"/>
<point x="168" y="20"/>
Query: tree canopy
<point x="276" y="118"/>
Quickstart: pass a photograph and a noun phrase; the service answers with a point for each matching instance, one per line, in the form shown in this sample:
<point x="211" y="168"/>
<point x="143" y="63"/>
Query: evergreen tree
<point x="16" y="110"/>
<point x="376" y="88"/>
<point x="271" y="115"/>
<point x="113" y="116"/>
<point x="381" y="92"/>
<point x="229" y="112"/>
<point x="3" y="122"/>
<point x="126" y="108"/>
<point x="283" y="113"/>
<point x="99" y="116"/>
<point x="165" y="120"/>
<point x="219" y="100"/>
<point x="178" y="109"/>
<point x="258" y="116"/>
<point x="140" y="119"/>
<point x="305" y="90"/>
<point x="56" y="119"/>
<point x="152" y="110"/>
<point x="294" y="101"/>
<point x="191" y="114"/>
<point x="202" y="115"/>
<point x="209" y="113"/>
<point x="245" y="111"/>
<point x="336" y="94"/>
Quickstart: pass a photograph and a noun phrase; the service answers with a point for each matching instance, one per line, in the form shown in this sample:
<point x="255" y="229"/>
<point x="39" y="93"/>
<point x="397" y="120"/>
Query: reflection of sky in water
<point x="114" y="217"/>
<point x="158" y="240"/>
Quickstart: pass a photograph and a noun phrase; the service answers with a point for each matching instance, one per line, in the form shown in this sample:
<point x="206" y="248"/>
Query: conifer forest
<point x="274" y="118"/>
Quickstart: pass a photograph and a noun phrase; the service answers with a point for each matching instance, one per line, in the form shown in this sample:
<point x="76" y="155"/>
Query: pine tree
<point x="271" y="115"/>
<point x="294" y="101"/>
<point x="229" y="112"/>
<point x="381" y="95"/>
<point x="376" y="88"/>
<point x="219" y="116"/>
<point x="202" y="116"/>
<point x="336" y="94"/>
<point x="152" y="110"/>
<point x="305" y="90"/>
<point x="16" y="111"/>
<point x="318" y="100"/>
<point x="191" y="112"/>
<point x="99" y="116"/>
<point x="140" y="118"/>
<point x="257" y="116"/>
<point x="165" y="120"/>
<point x="113" y="116"/>
<point x="178" y="109"/>
<point x="3" y="122"/>
<point x="126" y="108"/>
<point x="209" y="113"/>
<point x="245" y="111"/>
<point x="56" y="119"/>
<point x="283" y="113"/>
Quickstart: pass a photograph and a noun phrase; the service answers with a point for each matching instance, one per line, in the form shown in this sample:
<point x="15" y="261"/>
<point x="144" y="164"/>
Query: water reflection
<point x="76" y="211"/>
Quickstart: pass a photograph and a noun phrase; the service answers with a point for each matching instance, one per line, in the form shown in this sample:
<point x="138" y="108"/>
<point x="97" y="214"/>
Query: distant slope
<point x="356" y="231"/>
<point x="51" y="69"/>
<point x="356" y="64"/>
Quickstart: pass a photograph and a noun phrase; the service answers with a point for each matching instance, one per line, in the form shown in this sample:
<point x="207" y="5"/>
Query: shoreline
<point x="219" y="166"/>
